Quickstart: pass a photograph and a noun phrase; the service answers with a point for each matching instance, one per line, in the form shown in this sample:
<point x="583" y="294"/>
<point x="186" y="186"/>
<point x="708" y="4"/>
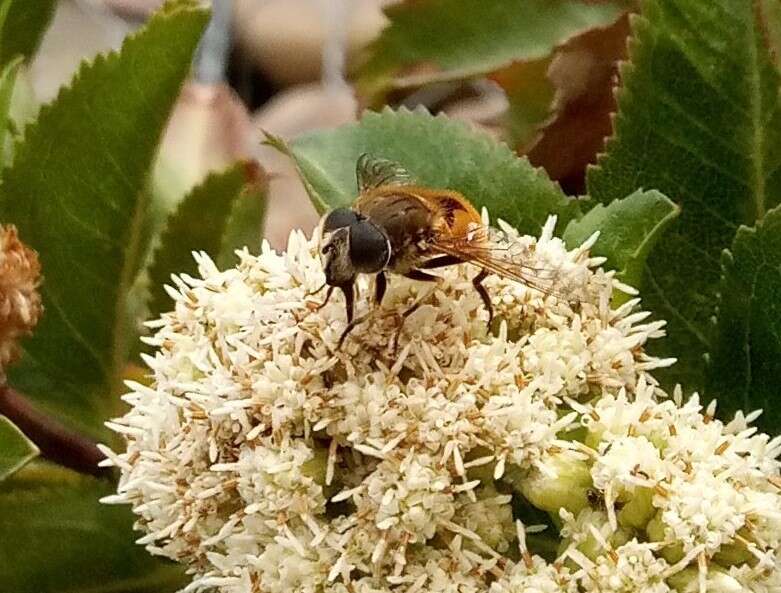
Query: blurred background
<point x="274" y="65"/>
<point x="284" y="66"/>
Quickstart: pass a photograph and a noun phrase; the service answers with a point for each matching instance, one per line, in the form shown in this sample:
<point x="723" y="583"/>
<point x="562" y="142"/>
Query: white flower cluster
<point x="428" y="453"/>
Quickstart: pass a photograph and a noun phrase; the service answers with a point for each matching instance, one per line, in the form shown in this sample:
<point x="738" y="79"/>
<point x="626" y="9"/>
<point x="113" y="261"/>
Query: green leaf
<point x="75" y="192"/>
<point x="628" y="228"/>
<point x="55" y="537"/>
<point x="769" y="14"/>
<point x="529" y="94"/>
<point x="746" y="369"/>
<point x="7" y="85"/>
<point x="699" y="120"/>
<point x="16" y="450"/>
<point x="199" y="224"/>
<point x="439" y="40"/>
<point x="439" y="152"/>
<point x="244" y="227"/>
<point x="24" y="26"/>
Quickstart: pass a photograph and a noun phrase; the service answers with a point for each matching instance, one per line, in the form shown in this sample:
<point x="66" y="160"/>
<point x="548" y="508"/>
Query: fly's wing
<point x="505" y="256"/>
<point x="372" y="172"/>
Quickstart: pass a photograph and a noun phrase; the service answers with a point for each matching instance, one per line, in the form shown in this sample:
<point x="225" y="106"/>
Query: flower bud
<point x="316" y="467"/>
<point x="733" y="554"/>
<point x="717" y="581"/>
<point x="563" y="484"/>
<point x="637" y="509"/>
<point x="655" y="530"/>
<point x="485" y="468"/>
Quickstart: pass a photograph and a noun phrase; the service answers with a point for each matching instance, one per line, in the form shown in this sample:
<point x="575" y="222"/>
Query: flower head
<point x="267" y="459"/>
<point x="20" y="302"/>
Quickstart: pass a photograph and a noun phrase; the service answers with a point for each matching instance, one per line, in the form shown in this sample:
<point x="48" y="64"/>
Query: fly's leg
<point x="316" y="290"/>
<point x="349" y="300"/>
<point x="395" y="342"/>
<point x="421" y="277"/>
<point x="381" y="283"/>
<point x="450" y="260"/>
<point x="350" y="327"/>
<point x="349" y="304"/>
<point x="327" y="296"/>
<point x="477" y="282"/>
<point x="441" y="261"/>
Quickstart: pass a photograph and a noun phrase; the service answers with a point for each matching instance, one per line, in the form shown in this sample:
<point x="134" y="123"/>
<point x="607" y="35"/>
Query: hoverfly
<point x="397" y="226"/>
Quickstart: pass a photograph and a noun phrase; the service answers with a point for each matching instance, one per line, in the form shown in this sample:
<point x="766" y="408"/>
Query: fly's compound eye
<point x="338" y="219"/>
<point x="369" y="247"/>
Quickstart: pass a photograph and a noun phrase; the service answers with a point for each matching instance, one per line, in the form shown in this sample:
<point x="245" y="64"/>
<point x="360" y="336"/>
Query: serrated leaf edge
<point x="621" y="93"/>
<point x="369" y="86"/>
<point x="498" y="147"/>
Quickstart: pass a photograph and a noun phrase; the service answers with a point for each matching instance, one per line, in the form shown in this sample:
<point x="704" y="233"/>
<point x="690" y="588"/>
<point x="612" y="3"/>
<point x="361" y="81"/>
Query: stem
<point x="56" y="442"/>
<point x="211" y="58"/>
<point x="335" y="14"/>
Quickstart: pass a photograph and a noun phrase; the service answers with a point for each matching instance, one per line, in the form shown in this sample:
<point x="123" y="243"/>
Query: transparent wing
<point x="505" y="256"/>
<point x="372" y="172"/>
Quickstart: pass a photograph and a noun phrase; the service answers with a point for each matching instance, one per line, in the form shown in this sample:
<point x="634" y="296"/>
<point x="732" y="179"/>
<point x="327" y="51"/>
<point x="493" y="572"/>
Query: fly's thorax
<point x="405" y="220"/>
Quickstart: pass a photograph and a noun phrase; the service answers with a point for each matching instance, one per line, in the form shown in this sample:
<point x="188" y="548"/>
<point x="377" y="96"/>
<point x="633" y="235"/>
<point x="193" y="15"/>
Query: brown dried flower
<point x="20" y="302"/>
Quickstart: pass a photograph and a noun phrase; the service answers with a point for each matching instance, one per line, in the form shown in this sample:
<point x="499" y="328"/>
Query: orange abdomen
<point x="454" y="215"/>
